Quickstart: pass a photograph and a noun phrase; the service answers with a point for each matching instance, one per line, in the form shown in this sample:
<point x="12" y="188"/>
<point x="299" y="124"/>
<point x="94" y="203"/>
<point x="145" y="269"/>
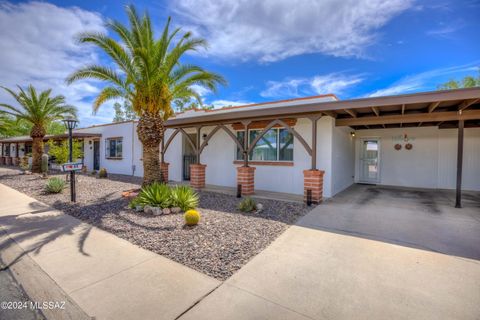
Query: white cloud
<point x="272" y="30"/>
<point x="424" y="81"/>
<point x="38" y="47"/>
<point x="335" y="83"/>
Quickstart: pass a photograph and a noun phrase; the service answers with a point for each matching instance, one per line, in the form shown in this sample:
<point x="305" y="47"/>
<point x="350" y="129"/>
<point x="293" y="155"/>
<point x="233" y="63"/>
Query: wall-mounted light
<point x="352" y="133"/>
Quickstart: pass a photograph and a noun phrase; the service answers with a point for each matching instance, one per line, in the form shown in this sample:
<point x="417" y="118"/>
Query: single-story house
<point x="315" y="146"/>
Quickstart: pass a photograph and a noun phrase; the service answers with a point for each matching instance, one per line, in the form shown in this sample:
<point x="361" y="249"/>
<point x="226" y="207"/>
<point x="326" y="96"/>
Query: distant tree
<point x="182" y="105"/>
<point x="39" y="110"/>
<point x="124" y="112"/>
<point x="466" y="82"/>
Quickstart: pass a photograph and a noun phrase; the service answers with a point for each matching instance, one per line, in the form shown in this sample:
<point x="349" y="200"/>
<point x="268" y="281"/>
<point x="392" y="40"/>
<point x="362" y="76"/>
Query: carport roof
<point x="440" y="108"/>
<point x="76" y="135"/>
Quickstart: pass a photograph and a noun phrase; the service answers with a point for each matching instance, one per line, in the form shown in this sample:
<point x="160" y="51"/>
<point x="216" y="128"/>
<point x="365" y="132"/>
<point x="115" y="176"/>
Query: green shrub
<point x="155" y="195"/>
<point x="247" y="205"/>
<point x="192" y="217"/>
<point x="55" y="185"/>
<point x="61" y="150"/>
<point x="102" y="173"/>
<point x="184" y="197"/>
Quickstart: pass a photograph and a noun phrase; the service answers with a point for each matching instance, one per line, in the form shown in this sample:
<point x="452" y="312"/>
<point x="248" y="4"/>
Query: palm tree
<point x="39" y="110"/>
<point x="149" y="74"/>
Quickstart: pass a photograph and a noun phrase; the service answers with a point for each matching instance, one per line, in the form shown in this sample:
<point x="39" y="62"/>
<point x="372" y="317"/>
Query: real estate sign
<point x="72" y="166"/>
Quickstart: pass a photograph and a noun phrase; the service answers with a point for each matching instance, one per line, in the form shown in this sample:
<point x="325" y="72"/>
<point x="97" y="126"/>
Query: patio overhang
<point x="457" y="108"/>
<point x="76" y="135"/>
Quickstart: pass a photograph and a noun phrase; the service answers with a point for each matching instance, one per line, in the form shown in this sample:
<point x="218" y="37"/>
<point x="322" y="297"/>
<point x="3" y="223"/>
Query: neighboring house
<point x="407" y="140"/>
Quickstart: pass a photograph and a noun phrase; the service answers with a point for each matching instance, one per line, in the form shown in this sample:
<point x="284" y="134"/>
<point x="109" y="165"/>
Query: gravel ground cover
<point x="223" y="241"/>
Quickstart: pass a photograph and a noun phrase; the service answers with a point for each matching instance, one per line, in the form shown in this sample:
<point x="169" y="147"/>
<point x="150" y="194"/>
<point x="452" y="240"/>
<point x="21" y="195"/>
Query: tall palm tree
<point x="148" y="72"/>
<point x="39" y="110"/>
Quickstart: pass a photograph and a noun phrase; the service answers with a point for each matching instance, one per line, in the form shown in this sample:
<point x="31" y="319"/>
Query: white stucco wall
<point x="343" y="159"/>
<point x="432" y="161"/>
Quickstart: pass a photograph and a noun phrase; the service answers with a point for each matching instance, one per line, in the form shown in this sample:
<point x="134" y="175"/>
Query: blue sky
<point x="269" y="50"/>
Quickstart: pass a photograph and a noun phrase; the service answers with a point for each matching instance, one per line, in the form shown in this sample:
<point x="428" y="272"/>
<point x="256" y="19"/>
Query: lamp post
<point x="70" y="124"/>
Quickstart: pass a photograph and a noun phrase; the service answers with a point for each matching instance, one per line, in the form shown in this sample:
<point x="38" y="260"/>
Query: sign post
<point x="70" y="124"/>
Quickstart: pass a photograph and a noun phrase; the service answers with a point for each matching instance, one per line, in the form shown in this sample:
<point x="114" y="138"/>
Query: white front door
<point x="370" y="160"/>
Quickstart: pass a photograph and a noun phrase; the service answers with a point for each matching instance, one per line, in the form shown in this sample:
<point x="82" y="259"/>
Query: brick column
<point x="8" y="161"/>
<point x="313" y="180"/>
<point x="197" y="175"/>
<point x="2" y="160"/>
<point x="246" y="178"/>
<point x="164" y="169"/>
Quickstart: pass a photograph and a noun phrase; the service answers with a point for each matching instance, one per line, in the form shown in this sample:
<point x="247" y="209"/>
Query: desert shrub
<point x="60" y="151"/>
<point x="155" y="195"/>
<point x="247" y="205"/>
<point x="55" y="185"/>
<point x="24" y="163"/>
<point x="184" y="197"/>
<point x="102" y="173"/>
<point x="192" y="217"/>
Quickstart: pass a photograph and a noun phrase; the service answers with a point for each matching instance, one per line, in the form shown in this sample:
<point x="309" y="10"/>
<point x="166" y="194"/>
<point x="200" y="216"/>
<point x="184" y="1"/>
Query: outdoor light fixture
<point x="352" y="133"/>
<point x="70" y="124"/>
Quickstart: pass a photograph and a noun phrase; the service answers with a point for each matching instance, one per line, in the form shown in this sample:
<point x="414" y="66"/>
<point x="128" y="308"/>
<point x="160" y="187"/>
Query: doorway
<point x="189" y="156"/>
<point x="96" y="155"/>
<point x="369" y="160"/>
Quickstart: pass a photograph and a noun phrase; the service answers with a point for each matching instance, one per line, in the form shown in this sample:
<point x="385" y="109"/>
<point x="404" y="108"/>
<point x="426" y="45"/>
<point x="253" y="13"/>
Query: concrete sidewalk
<point x="105" y="276"/>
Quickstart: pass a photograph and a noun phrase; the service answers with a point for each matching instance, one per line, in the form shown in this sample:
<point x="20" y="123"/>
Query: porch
<point x="455" y="110"/>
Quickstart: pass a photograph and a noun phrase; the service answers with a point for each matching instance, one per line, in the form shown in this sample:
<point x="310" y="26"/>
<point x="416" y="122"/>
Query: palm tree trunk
<point x="37" y="151"/>
<point x="150" y="132"/>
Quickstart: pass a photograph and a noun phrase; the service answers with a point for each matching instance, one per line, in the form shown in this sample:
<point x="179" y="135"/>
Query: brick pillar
<point x="8" y="161"/>
<point x="246" y="178"/>
<point x="197" y="175"/>
<point x="2" y="160"/>
<point x="164" y="169"/>
<point x="313" y="180"/>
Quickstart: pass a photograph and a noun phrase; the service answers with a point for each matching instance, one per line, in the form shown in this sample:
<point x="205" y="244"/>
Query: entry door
<point x="96" y="155"/>
<point x="370" y="161"/>
<point x="189" y="156"/>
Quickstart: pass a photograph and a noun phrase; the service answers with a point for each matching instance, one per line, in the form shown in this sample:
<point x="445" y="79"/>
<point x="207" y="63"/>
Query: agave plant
<point x="184" y="197"/>
<point x="155" y="195"/>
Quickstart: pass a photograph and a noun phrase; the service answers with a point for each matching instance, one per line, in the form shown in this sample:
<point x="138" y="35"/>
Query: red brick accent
<point x="246" y="178"/>
<point x="8" y="161"/>
<point x="164" y="169"/>
<point x="2" y="160"/>
<point x="313" y="180"/>
<point x="197" y="175"/>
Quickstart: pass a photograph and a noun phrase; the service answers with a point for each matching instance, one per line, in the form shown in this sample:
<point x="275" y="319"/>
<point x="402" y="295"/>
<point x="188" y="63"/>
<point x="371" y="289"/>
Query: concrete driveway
<point x="369" y="253"/>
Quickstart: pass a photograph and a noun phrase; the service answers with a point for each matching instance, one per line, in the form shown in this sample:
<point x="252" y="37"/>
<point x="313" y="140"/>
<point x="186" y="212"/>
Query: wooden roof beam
<point x="411" y="118"/>
<point x="467" y="103"/>
<point x="433" y="106"/>
<point x="352" y="113"/>
<point x="376" y="111"/>
<point x="332" y="114"/>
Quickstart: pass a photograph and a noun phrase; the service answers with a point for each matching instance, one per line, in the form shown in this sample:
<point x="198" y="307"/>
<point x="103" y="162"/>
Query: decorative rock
<point x="167" y="211"/>
<point x="138" y="208"/>
<point x="259" y="207"/>
<point x="157" y="211"/>
<point x="176" y="210"/>
<point x="148" y="209"/>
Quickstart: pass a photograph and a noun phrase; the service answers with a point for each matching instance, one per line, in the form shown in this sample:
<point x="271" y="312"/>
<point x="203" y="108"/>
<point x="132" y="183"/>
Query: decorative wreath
<point x="408" y="146"/>
<point x="398" y="146"/>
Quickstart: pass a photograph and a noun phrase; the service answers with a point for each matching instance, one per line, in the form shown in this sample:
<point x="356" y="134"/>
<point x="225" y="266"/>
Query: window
<point x="275" y="145"/>
<point x="113" y="148"/>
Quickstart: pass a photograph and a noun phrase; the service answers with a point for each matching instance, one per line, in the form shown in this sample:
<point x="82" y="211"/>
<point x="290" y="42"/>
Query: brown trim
<point x="112" y="138"/>
<point x="114" y="158"/>
<point x="238" y="126"/>
<point x="266" y="163"/>
<point x="410" y="118"/>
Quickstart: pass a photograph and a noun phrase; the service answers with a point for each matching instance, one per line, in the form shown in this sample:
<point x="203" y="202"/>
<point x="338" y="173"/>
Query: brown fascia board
<point x="315" y="108"/>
